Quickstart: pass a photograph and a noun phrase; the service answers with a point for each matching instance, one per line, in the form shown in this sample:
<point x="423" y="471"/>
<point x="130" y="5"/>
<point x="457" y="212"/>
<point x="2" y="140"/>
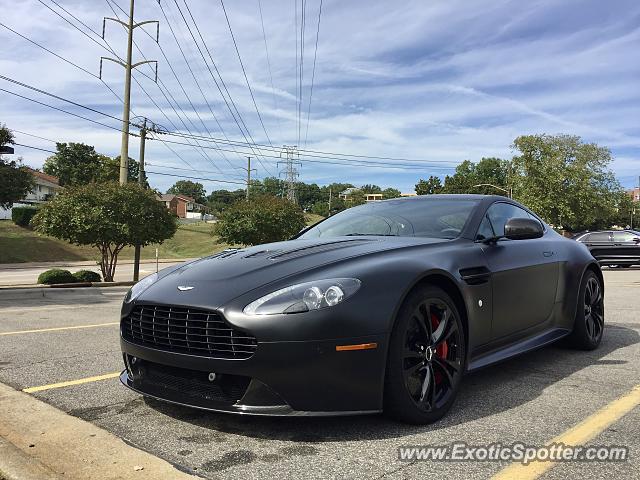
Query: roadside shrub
<point x="22" y="215"/>
<point x="262" y="219"/>
<point x="87" y="276"/>
<point x="56" y="275"/>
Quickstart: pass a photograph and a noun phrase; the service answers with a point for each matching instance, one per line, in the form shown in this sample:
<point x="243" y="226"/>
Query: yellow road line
<point x="57" y="329"/>
<point x="580" y="434"/>
<point x="71" y="382"/>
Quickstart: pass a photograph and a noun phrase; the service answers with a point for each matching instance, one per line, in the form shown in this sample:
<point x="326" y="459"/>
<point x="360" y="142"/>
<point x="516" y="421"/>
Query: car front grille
<point x="186" y="330"/>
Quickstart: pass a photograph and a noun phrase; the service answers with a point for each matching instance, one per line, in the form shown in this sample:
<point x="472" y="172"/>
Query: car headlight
<point x="304" y="297"/>
<point x="140" y="287"/>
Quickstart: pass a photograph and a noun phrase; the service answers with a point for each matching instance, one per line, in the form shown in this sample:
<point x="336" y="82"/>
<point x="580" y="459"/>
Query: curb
<point x="67" y="285"/>
<point x="67" y="265"/>
<point x="17" y="465"/>
<point x="40" y="438"/>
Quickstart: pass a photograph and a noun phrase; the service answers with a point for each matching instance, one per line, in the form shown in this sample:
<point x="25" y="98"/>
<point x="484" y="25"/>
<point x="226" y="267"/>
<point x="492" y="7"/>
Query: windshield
<point x="433" y="218"/>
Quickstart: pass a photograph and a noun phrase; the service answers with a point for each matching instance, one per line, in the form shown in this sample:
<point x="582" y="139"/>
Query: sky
<point x="431" y="82"/>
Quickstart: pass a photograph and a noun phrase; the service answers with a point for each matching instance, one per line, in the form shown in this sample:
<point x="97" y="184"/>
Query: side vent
<point x="475" y="275"/>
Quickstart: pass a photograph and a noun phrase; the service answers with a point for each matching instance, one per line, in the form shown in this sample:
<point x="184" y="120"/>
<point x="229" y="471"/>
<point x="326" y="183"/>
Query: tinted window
<point x="485" y="231"/>
<point x="500" y="213"/>
<point x="624" y="237"/>
<point x="598" y="237"/>
<point x="436" y="218"/>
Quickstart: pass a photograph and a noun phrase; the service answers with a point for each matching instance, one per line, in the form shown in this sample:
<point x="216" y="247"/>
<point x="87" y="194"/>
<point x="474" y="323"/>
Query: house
<point x="634" y="193"/>
<point x="411" y="194"/>
<point x="347" y="195"/>
<point x="45" y="188"/>
<point x="182" y="206"/>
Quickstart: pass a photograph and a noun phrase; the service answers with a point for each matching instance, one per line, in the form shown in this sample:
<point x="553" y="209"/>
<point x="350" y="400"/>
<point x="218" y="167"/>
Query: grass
<point x="18" y="245"/>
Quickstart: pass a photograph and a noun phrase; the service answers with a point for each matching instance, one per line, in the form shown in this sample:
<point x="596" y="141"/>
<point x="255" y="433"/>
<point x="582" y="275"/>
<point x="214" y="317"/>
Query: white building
<point x="45" y="188"/>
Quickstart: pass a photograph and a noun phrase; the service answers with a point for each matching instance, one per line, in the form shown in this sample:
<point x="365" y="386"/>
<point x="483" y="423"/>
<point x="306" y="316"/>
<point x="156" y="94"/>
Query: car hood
<point x="222" y="277"/>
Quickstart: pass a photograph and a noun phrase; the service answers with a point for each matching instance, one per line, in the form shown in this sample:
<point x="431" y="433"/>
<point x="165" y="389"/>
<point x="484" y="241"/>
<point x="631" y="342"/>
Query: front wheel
<point x="589" y="321"/>
<point x="426" y="357"/>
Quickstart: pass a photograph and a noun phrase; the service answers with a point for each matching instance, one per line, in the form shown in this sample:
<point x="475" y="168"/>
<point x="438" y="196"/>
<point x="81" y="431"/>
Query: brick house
<point x="181" y="205"/>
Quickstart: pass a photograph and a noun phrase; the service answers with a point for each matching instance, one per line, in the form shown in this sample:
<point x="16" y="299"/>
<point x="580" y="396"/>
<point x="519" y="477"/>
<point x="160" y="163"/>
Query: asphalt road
<point x="16" y="274"/>
<point x="532" y="399"/>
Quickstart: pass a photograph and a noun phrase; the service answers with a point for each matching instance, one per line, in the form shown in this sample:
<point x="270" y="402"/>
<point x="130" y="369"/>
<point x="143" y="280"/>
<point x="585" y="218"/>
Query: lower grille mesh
<point x="186" y="330"/>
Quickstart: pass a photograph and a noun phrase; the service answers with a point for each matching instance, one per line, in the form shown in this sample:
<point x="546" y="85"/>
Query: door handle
<point x="548" y="254"/>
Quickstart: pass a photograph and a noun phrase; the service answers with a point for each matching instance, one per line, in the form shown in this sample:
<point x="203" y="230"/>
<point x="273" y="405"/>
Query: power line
<point x="61" y="110"/>
<point x="35" y="89"/>
<point x="303" y="22"/>
<point x="244" y="71"/>
<point x="341" y="162"/>
<point x="238" y="119"/>
<point x="34" y="136"/>
<point x="161" y="85"/>
<point x="266" y="50"/>
<point x="313" y="73"/>
<point x="35" y="148"/>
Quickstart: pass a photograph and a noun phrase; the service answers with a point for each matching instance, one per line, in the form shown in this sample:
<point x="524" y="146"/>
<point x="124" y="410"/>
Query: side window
<point x="500" y="212"/>
<point x="623" y="237"/>
<point x="599" y="237"/>
<point x="486" y="230"/>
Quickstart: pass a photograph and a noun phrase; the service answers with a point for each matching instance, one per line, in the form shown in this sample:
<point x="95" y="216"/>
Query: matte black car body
<point x="513" y="296"/>
<point x="613" y="247"/>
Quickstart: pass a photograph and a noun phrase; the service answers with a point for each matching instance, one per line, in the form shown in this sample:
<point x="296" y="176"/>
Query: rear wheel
<point x="589" y="322"/>
<point x="426" y="357"/>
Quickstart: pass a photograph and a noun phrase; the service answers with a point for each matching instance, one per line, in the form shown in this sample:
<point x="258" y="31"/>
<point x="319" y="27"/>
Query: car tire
<point x="588" y="324"/>
<point x="419" y="349"/>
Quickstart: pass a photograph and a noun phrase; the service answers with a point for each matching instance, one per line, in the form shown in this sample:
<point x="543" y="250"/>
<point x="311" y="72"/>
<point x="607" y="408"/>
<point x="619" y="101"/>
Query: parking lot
<point x="69" y="335"/>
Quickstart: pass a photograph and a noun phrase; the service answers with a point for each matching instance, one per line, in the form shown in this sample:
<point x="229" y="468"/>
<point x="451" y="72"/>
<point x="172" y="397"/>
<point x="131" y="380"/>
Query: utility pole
<point x="329" y="201"/>
<point x="290" y="172"/>
<point x="143" y="138"/>
<point x="129" y="26"/>
<point x="144" y="129"/>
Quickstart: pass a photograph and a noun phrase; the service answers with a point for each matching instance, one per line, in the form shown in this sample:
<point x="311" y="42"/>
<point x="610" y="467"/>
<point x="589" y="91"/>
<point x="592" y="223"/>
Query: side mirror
<point x="522" y="229"/>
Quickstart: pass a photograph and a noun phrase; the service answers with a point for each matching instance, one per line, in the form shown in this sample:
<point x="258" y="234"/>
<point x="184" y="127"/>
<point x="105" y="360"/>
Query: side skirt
<point x="524" y="346"/>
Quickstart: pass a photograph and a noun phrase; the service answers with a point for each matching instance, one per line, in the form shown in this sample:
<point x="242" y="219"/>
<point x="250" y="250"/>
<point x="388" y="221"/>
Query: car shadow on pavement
<point x="490" y="391"/>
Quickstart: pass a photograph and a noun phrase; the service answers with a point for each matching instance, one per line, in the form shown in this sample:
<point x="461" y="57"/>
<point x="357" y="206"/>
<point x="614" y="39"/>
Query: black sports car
<point x="381" y="307"/>
<point x="615" y="248"/>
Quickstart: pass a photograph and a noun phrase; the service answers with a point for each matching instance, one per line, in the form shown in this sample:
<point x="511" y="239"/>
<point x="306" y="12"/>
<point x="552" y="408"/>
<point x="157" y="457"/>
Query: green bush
<point x="56" y="275"/>
<point x="262" y="219"/>
<point x="22" y="215"/>
<point x="87" y="276"/>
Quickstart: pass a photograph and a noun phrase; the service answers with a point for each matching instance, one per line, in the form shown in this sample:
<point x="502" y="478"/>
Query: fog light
<point x="212" y="377"/>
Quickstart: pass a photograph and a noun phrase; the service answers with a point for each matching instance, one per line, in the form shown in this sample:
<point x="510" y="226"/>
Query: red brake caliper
<point x="442" y="349"/>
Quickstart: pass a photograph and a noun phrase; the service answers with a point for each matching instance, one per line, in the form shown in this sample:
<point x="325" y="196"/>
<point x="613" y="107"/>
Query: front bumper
<point x="281" y="378"/>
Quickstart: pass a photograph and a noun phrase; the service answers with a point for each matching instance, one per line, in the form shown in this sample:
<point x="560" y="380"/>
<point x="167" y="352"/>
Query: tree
<point x="566" y="181"/>
<point x="262" y="219"/>
<point x="75" y="164"/>
<point x="191" y="189"/>
<point x="107" y="216"/>
<point x="369" y="188"/>
<point x="16" y="181"/>
<point x="110" y="170"/>
<point x="428" y="187"/>
<point x="388" y="193"/>
<point x="489" y="171"/>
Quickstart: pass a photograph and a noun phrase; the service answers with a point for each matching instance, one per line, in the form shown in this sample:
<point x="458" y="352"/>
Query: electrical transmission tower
<point x="290" y="172"/>
<point x="129" y="26"/>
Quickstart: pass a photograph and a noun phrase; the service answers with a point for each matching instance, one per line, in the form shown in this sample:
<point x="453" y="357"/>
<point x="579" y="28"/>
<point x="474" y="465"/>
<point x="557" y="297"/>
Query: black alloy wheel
<point x="593" y="309"/>
<point x="588" y="325"/>
<point x="426" y="360"/>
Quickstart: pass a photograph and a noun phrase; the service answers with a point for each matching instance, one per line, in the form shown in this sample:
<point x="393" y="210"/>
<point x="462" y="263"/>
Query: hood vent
<point x="311" y="249"/>
<point x="226" y="253"/>
<point x="262" y="253"/>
